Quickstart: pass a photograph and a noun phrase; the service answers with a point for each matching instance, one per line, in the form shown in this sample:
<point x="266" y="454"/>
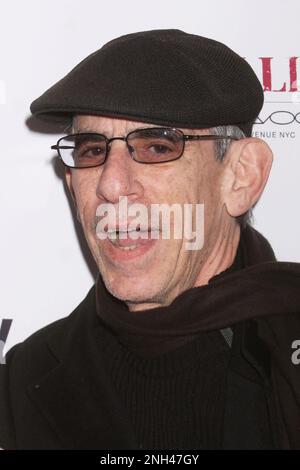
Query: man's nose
<point x="118" y="175"/>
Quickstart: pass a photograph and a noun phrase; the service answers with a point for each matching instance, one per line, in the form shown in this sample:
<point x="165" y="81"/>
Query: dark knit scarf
<point x="255" y="285"/>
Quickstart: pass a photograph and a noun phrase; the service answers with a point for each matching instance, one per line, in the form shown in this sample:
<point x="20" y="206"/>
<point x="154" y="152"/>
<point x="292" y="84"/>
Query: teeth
<point x="125" y="248"/>
<point x="115" y="233"/>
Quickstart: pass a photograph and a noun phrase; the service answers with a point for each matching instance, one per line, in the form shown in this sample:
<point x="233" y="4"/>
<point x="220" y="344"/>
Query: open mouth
<point x="125" y="244"/>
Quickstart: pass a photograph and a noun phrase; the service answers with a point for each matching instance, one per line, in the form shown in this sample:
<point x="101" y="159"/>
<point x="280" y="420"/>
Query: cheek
<point x="199" y="183"/>
<point x="206" y="181"/>
<point x="177" y="184"/>
<point x="86" y="198"/>
<point x="187" y="185"/>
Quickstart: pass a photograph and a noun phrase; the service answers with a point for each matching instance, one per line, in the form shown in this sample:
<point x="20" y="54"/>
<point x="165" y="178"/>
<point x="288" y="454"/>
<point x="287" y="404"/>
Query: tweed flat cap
<point x="163" y="77"/>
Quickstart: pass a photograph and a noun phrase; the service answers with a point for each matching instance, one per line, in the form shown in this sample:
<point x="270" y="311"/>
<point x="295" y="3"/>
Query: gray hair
<point x="221" y="147"/>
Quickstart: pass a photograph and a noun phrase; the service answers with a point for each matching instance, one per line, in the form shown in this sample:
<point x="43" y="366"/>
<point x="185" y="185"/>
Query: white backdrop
<point x="44" y="273"/>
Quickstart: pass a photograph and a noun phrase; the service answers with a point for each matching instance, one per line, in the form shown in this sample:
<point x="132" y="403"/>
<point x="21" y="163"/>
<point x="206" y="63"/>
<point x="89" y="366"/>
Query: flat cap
<point x="164" y="77"/>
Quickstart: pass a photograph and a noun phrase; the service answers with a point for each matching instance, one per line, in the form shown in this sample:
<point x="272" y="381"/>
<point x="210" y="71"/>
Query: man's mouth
<point x="127" y="240"/>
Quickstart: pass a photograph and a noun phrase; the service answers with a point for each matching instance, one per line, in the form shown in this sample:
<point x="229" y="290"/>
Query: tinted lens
<point x="83" y="150"/>
<point x="156" y="145"/>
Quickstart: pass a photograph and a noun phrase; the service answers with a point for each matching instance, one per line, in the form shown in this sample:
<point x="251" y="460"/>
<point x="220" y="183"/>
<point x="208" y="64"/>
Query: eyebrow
<point x="83" y="130"/>
<point x="87" y="130"/>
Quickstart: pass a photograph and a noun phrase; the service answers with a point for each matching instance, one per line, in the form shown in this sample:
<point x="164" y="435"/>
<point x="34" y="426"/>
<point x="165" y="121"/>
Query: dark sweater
<point x="175" y="400"/>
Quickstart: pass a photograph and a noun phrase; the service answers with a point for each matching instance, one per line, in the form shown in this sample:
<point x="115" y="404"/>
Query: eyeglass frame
<point x="185" y="138"/>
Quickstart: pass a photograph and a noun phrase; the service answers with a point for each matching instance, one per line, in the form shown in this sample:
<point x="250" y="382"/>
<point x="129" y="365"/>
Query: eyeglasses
<point x="151" y="145"/>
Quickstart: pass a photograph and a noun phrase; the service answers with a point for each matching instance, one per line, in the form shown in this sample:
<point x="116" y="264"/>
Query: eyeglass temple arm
<point x="57" y="147"/>
<point x="209" y="137"/>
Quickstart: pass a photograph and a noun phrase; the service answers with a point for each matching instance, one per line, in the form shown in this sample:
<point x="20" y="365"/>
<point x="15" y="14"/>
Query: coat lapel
<point x="82" y="410"/>
<point x="76" y="396"/>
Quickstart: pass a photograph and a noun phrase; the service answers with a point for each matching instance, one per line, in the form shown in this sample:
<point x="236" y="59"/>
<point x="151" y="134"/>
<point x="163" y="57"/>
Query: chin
<point x="132" y="291"/>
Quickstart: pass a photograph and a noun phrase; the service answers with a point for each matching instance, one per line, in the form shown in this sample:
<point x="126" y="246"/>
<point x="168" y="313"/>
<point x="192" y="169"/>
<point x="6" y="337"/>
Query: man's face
<point x="153" y="274"/>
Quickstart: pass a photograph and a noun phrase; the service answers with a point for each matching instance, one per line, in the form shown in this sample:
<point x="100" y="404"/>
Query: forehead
<point x="111" y="125"/>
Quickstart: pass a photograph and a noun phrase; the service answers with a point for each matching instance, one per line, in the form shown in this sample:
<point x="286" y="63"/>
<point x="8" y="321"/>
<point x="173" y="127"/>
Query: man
<point x="176" y="346"/>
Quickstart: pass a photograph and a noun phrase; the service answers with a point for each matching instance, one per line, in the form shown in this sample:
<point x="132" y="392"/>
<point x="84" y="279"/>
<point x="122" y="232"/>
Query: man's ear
<point x="247" y="172"/>
<point x="68" y="178"/>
